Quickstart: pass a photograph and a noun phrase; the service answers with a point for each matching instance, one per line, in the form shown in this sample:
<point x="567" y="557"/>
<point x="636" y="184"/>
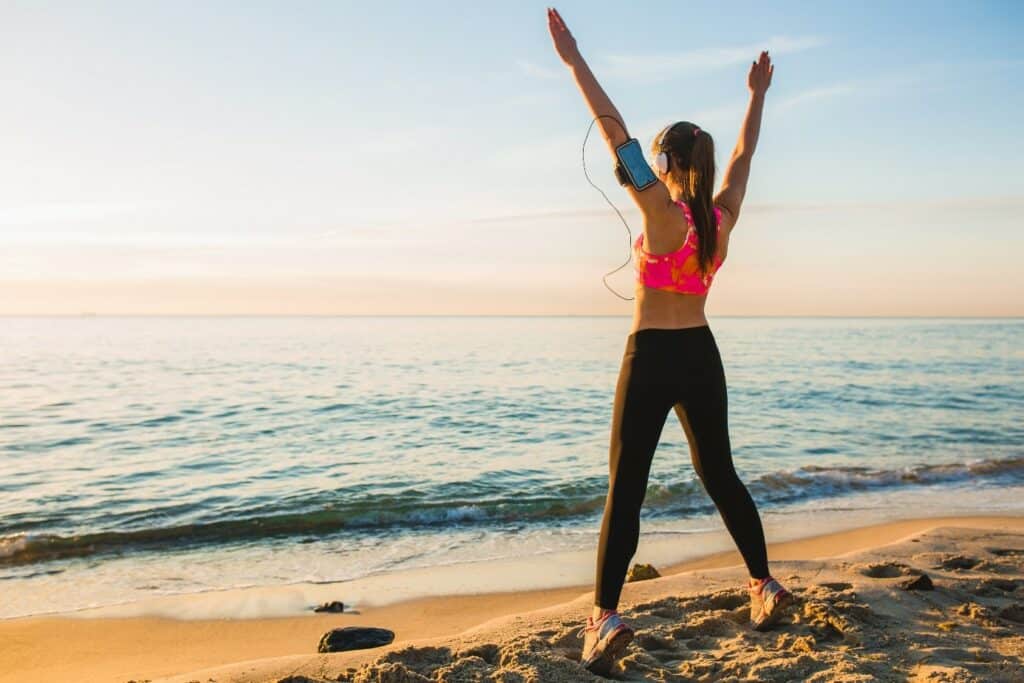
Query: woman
<point x="671" y="359"/>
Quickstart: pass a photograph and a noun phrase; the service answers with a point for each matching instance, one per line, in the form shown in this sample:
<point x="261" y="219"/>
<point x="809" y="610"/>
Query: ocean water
<point x="159" y="456"/>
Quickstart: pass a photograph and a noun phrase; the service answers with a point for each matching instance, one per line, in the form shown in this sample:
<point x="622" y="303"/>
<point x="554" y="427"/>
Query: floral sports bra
<point x="677" y="271"/>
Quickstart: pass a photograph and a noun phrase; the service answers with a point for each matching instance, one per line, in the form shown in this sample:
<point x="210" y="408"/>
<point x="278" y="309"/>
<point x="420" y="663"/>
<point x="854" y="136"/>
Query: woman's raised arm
<point x="613" y="129"/>
<point x="734" y="184"/>
<point x="610" y="122"/>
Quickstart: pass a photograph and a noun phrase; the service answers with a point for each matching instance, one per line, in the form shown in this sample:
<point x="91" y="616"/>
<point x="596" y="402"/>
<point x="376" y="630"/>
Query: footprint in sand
<point x="706" y="626"/>
<point x="989" y="588"/>
<point x="671" y="613"/>
<point x="666" y="608"/>
<point x="728" y="600"/>
<point x="836" y="585"/>
<point x="653" y="642"/>
<point x="958" y="562"/>
<point x="884" y="570"/>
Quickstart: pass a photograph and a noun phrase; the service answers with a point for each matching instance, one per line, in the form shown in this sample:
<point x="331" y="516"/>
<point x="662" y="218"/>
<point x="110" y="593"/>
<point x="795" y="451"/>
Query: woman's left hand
<point x="760" y="76"/>
<point x="565" y="44"/>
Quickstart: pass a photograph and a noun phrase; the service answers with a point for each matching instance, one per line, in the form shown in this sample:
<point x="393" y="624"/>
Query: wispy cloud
<point x="538" y="71"/>
<point x="662" y="66"/>
<point x="924" y="76"/>
<point x="815" y="94"/>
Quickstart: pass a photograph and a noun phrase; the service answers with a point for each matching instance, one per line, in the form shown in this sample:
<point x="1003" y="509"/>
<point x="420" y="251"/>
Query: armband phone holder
<point x="631" y="167"/>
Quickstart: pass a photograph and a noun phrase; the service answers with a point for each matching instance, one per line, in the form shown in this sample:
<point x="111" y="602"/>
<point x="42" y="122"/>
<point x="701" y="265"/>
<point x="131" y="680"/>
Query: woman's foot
<point x="604" y="640"/>
<point x="768" y="600"/>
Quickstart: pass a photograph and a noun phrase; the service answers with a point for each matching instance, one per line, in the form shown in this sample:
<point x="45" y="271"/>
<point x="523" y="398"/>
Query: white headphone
<point x="661" y="160"/>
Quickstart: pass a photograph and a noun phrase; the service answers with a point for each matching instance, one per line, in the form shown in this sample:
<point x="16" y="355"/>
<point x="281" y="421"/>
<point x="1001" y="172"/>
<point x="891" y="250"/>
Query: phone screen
<point x="632" y="158"/>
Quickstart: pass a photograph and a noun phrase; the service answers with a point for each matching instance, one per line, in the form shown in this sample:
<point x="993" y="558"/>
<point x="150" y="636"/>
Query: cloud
<point x="538" y="71"/>
<point x="663" y="66"/>
<point x="922" y="76"/>
<point x="815" y="94"/>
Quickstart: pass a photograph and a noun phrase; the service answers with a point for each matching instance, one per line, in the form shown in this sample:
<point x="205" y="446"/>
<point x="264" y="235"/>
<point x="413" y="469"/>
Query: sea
<point x="143" y="459"/>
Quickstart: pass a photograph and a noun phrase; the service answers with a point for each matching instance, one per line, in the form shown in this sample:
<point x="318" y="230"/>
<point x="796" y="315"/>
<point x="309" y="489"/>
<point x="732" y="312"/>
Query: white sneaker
<point x="768" y="601"/>
<point x="603" y="642"/>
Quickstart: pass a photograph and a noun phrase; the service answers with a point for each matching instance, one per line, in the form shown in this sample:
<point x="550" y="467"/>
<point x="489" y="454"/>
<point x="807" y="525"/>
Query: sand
<point x="852" y="622"/>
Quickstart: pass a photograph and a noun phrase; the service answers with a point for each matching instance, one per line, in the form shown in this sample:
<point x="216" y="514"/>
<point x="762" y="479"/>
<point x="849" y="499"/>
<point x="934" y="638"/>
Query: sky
<point x="425" y="158"/>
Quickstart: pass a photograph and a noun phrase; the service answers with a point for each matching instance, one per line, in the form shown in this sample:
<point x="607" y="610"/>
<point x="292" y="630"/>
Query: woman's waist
<point x="661" y="309"/>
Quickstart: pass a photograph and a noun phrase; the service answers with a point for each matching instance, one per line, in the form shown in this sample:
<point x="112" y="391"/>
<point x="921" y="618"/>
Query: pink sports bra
<point x="677" y="271"/>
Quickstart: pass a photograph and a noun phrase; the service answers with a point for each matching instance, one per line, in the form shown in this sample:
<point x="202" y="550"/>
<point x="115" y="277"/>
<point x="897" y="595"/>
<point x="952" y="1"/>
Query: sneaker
<point x="603" y="642"/>
<point x="768" y="600"/>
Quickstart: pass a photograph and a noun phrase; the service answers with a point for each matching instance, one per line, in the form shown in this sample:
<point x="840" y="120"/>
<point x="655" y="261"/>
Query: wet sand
<point x="851" y="623"/>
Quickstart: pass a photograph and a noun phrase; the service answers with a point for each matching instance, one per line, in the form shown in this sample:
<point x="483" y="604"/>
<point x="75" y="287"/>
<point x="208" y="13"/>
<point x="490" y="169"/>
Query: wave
<point x="414" y="509"/>
<point x="816" y="481"/>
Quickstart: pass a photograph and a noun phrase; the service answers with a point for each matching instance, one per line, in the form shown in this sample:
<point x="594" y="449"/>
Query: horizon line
<point x="488" y="315"/>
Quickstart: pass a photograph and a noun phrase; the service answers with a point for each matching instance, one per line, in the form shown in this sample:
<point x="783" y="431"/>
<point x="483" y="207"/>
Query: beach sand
<point x="852" y="622"/>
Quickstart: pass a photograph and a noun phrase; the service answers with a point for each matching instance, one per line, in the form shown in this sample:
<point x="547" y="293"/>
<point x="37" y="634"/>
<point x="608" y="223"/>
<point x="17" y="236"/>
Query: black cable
<point x="629" y="233"/>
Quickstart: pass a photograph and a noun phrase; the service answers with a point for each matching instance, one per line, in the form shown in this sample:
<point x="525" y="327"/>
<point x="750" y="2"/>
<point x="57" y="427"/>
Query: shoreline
<point x="123" y="648"/>
<point x="521" y="565"/>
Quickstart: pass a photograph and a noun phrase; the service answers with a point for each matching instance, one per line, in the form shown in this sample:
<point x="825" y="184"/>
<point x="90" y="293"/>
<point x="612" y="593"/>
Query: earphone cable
<point x="629" y="233"/>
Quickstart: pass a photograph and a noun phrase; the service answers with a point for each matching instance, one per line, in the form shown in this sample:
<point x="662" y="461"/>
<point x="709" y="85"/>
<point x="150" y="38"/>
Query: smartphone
<point x="633" y="167"/>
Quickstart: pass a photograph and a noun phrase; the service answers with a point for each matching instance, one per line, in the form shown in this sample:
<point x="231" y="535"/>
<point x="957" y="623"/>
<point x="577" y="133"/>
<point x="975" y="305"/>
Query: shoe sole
<point x="613" y="649"/>
<point x="780" y="608"/>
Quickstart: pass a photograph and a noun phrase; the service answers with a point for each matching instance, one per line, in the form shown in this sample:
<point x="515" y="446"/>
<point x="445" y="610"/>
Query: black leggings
<point x="663" y="369"/>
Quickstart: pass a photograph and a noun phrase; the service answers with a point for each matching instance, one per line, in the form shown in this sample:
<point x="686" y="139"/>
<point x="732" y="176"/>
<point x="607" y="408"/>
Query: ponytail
<point x="692" y="165"/>
<point x="701" y="189"/>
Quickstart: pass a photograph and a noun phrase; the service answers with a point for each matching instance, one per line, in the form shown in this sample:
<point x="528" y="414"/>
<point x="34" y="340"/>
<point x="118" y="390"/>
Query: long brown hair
<point x="691" y="153"/>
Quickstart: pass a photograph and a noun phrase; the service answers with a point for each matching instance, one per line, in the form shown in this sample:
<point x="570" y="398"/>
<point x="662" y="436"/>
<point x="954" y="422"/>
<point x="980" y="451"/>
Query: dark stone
<point x="641" y="572"/>
<point x="921" y="582"/>
<point x="354" y="638"/>
<point x="334" y="606"/>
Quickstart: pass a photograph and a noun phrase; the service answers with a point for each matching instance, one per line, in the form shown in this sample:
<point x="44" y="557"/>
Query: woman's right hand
<point x="565" y="44"/>
<point x="760" y="76"/>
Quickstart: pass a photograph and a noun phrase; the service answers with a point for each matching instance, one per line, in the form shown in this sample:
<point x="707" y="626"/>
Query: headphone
<point x="661" y="160"/>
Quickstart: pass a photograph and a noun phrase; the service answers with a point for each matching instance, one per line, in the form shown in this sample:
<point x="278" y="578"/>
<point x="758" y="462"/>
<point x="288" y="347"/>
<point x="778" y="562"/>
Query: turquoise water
<point x="147" y="456"/>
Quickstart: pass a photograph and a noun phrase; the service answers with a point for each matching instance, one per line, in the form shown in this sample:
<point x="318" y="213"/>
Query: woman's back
<point x="661" y="307"/>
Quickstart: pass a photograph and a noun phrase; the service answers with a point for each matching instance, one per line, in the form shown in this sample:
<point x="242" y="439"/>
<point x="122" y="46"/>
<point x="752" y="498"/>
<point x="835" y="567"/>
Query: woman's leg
<point x="642" y="402"/>
<point x="703" y="413"/>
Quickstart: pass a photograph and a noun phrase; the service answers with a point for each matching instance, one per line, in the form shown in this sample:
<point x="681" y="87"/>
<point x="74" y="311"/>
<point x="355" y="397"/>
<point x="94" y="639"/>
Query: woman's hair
<point x="691" y="154"/>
